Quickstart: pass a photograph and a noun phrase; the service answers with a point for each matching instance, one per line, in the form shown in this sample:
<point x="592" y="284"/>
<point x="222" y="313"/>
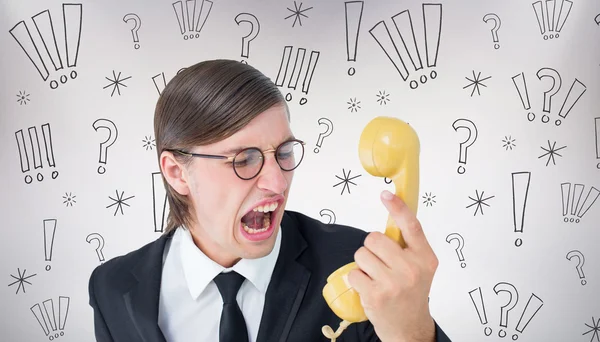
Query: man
<point x="233" y="264"/>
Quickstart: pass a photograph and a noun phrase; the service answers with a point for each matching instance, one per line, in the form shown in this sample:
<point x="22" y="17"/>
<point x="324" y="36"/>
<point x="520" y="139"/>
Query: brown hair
<point x="203" y="104"/>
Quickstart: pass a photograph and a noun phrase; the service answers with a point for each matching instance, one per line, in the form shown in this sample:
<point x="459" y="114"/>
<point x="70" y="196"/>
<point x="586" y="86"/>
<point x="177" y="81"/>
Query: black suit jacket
<point x="124" y="291"/>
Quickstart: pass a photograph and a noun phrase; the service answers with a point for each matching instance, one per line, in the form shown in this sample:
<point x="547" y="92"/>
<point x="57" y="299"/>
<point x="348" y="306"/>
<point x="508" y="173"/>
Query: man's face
<point x="221" y="199"/>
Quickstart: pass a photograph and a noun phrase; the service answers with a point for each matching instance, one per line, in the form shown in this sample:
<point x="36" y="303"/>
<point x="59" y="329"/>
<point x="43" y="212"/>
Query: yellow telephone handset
<point x="388" y="147"/>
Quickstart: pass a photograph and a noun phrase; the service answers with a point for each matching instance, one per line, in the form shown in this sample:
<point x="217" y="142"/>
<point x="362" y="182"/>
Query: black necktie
<point x="233" y="326"/>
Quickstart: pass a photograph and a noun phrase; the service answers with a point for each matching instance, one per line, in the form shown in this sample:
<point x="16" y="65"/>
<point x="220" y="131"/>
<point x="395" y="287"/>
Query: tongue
<point x="255" y="219"/>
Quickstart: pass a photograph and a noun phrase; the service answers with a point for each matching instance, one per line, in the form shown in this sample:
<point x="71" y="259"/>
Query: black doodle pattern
<point x="254" y="30"/>
<point x="303" y="68"/>
<point x="509" y="291"/>
<point x="95" y="236"/>
<point x="113" y="133"/>
<point x="470" y="127"/>
<point x="137" y="23"/>
<point x="575" y="92"/>
<point x="30" y="151"/>
<point x="459" y="247"/>
<point x="52" y="316"/>
<point x="432" y="27"/>
<point x="384" y="59"/>
<point x="192" y="16"/>
<point x="65" y="60"/>
<point x="580" y="262"/>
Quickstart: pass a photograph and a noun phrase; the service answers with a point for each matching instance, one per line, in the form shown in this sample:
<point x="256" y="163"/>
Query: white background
<point x="539" y="267"/>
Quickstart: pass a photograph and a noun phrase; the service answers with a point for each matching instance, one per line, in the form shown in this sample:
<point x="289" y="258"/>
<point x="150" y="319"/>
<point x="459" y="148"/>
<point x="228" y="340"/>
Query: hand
<point x="394" y="282"/>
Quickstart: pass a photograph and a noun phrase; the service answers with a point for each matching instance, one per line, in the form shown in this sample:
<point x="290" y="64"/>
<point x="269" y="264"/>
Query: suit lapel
<point x="287" y="287"/>
<point x="142" y="300"/>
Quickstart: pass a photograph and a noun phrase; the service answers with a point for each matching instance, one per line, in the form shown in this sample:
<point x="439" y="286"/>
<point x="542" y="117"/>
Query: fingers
<point x="406" y="220"/>
<point x="384" y="248"/>
<point x="360" y="281"/>
<point x="369" y="263"/>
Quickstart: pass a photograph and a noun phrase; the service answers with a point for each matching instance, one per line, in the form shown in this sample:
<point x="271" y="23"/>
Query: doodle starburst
<point x="429" y="199"/>
<point x="116" y="82"/>
<point x="594" y="328"/>
<point x="476" y="82"/>
<point x="383" y="98"/>
<point x="21" y="280"/>
<point x="509" y="142"/>
<point x="346" y="180"/>
<point x="69" y="199"/>
<point x="479" y="201"/>
<point x="297" y="12"/>
<point x="354" y="105"/>
<point x="22" y="98"/>
<point x="148" y="143"/>
<point x="551" y="151"/>
<point x="119" y="202"/>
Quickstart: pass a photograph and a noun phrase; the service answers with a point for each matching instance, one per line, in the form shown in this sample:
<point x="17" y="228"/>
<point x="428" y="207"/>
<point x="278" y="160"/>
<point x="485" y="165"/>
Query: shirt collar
<point x="199" y="270"/>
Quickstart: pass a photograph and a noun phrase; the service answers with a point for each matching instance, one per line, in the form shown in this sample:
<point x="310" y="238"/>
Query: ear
<point x="174" y="172"/>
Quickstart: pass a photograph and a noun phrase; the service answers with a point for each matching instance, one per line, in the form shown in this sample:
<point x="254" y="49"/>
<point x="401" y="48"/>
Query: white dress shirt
<point x="190" y="304"/>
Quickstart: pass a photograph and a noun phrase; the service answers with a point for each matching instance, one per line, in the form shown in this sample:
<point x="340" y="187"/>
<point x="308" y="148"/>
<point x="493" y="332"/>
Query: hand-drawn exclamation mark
<point x="520" y="188"/>
<point x="354" y="10"/>
<point x="159" y="82"/>
<point x="202" y="12"/>
<point x="36" y="151"/>
<point x="183" y="18"/>
<point x="521" y="86"/>
<point x="48" y="316"/>
<point x="189" y="18"/>
<point x="572" y="200"/>
<point x="597" y="126"/>
<point x="48" y="147"/>
<point x="159" y="202"/>
<point x="477" y="299"/>
<point x="575" y="92"/>
<point x="49" y="232"/>
<point x="72" y="17"/>
<point x="534" y="304"/>
<point x="548" y="19"/>
<point x="23" y="156"/>
<point x="297" y="70"/>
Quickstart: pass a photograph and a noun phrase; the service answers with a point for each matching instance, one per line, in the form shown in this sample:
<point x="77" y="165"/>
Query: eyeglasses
<point x="248" y="162"/>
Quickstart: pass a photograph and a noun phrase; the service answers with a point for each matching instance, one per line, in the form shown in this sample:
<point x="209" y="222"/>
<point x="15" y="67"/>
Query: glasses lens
<point x="247" y="163"/>
<point x="290" y="154"/>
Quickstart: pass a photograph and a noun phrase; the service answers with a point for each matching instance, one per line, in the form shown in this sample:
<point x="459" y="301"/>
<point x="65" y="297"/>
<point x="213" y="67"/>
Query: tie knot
<point x="229" y="283"/>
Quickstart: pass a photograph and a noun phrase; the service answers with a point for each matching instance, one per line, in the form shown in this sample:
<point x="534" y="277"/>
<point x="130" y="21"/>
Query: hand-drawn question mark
<point x="329" y="125"/>
<point x="470" y="126"/>
<point x="556" y="84"/>
<point x="496" y="19"/>
<point x="255" y="29"/>
<point x="461" y="244"/>
<point x="135" y="29"/>
<point x="112" y="137"/>
<point x="514" y="298"/>
<point x="96" y="236"/>
<point x="329" y="213"/>
<point x="580" y="262"/>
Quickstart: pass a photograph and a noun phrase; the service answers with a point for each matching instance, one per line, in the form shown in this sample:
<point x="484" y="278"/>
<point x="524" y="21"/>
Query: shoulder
<point x="114" y="270"/>
<point x="326" y="237"/>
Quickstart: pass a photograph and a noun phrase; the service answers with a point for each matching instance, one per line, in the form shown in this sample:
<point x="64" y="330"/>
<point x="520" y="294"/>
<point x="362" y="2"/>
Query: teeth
<point x="266" y="208"/>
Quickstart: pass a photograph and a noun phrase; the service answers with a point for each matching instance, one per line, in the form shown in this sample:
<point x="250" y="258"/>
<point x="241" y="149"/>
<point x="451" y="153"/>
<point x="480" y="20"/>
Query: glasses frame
<point x="232" y="158"/>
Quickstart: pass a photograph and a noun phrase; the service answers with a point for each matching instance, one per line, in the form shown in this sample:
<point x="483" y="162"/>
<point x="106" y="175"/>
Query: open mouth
<point x="259" y="219"/>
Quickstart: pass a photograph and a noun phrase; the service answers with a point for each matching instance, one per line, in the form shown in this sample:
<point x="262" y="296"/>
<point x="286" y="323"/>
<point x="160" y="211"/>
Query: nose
<point x="271" y="176"/>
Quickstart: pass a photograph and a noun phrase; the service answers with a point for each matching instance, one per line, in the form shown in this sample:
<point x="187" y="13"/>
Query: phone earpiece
<point x="390" y="148"/>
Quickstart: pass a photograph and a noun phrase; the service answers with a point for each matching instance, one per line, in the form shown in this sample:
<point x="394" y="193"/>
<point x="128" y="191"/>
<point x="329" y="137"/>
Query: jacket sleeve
<point x="366" y="333"/>
<point x="101" y="331"/>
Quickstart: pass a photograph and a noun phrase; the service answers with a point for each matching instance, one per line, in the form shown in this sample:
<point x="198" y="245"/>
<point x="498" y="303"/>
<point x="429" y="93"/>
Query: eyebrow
<point x="237" y="149"/>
